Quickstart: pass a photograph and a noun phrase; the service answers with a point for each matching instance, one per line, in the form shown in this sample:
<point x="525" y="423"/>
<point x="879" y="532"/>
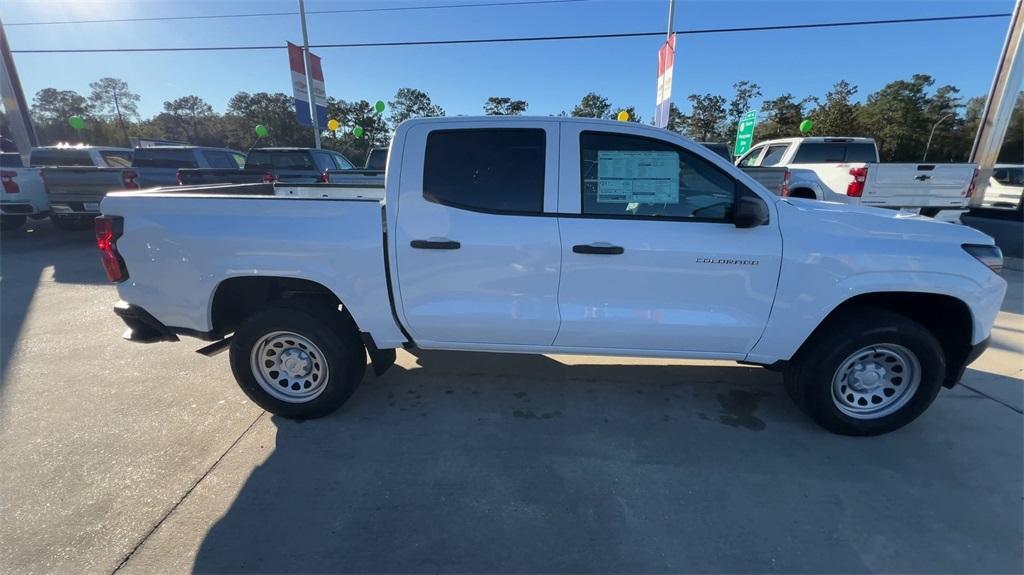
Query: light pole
<point x="929" y="144"/>
<point x="309" y="78"/>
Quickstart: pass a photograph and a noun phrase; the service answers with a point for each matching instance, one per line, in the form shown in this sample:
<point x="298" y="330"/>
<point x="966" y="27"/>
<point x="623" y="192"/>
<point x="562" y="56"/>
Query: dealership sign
<point x="298" y="68"/>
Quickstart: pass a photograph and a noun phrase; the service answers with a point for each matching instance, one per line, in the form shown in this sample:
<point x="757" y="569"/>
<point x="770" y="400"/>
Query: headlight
<point x="991" y="256"/>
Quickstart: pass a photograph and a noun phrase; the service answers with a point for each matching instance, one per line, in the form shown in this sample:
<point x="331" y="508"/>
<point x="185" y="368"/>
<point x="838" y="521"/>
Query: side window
<point x="498" y="170"/>
<point x="774" y="155"/>
<point x="636" y="176"/>
<point x="342" y="162"/>
<point x="218" y="159"/>
<point x="323" y="161"/>
<point x="238" y="159"/>
<point x="750" y="160"/>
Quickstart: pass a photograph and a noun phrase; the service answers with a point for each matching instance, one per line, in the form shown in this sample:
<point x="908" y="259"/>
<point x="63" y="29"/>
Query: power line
<point x="527" y="38"/>
<point x="266" y="14"/>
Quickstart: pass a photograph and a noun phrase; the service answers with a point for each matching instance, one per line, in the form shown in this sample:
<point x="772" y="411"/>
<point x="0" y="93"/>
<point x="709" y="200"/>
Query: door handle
<point x="598" y="249"/>
<point x="435" y="244"/>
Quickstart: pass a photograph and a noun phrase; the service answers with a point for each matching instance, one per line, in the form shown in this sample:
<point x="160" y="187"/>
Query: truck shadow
<point x="31" y="257"/>
<point x="482" y="462"/>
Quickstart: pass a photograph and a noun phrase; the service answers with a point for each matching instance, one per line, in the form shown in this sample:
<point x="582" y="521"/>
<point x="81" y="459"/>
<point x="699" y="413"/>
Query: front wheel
<point x="867" y="373"/>
<point x="295" y="365"/>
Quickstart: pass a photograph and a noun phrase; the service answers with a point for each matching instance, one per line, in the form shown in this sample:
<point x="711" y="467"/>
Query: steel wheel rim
<point x="876" y="381"/>
<point x="289" y="367"/>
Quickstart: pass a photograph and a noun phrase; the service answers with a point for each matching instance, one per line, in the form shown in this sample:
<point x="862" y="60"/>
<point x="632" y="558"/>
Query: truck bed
<point x="169" y="233"/>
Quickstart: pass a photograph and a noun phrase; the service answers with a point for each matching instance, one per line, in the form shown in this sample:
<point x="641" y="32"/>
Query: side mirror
<point x="751" y="211"/>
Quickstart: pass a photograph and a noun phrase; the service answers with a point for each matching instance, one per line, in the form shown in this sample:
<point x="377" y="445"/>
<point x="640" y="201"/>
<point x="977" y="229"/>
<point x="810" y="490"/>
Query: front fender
<point x="796" y="315"/>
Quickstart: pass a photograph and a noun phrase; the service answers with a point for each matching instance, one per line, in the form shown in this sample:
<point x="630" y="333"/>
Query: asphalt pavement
<point x="118" y="457"/>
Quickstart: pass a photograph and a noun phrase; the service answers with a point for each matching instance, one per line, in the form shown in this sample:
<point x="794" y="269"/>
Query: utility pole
<point x="309" y="77"/>
<point x="15" y="106"/>
<point x="995" y="117"/>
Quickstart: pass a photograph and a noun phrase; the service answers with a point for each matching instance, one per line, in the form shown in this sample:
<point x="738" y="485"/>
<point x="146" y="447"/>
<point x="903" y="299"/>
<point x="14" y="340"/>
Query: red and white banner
<point x="666" y="60"/>
<point x="298" y="67"/>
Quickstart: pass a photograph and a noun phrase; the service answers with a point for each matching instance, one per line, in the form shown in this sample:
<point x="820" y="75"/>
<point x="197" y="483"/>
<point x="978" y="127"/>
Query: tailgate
<point x="64" y="185"/>
<point x="917" y="185"/>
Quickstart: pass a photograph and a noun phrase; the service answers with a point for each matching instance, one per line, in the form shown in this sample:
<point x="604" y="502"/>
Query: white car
<point x="24" y="192"/>
<point x="555" y="235"/>
<point x="847" y="170"/>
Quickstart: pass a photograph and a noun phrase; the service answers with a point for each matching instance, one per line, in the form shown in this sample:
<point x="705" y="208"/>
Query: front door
<point x="651" y="260"/>
<point x="477" y="258"/>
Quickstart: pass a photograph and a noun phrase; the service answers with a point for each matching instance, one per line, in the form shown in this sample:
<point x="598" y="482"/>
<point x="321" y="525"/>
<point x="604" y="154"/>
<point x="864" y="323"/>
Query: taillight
<point x="970" y="188"/>
<point x="177" y="178"/>
<point x="10" y="186"/>
<point x="856" y="188"/>
<point x="130" y="180"/>
<point x="269" y="178"/>
<point x="325" y="177"/>
<point x="108" y="229"/>
<point x="784" y="190"/>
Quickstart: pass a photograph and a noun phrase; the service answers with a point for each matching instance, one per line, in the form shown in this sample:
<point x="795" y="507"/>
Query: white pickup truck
<point x="847" y="170"/>
<point x="23" y="192"/>
<point x="555" y="235"/>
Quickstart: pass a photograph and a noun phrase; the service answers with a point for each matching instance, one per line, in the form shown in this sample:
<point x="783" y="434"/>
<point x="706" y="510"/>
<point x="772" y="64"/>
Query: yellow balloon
<point x="623" y="116"/>
<point x="333" y="124"/>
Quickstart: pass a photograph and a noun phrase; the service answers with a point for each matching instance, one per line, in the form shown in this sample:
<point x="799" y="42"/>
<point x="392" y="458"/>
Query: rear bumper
<point x="142" y="326"/>
<point x="956" y="372"/>
<point x="21" y="209"/>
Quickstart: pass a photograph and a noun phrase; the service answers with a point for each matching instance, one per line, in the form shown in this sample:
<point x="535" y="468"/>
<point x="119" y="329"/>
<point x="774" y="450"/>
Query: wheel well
<point x="805" y="193"/>
<point x="238" y="298"/>
<point x="946" y="317"/>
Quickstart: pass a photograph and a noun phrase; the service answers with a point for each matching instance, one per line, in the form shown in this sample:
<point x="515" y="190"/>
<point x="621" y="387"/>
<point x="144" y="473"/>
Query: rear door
<point x="476" y="246"/>
<point x="651" y="259"/>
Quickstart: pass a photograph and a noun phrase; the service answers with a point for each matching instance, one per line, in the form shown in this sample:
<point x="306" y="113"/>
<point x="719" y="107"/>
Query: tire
<point x="318" y="364"/>
<point x="867" y="372"/>
<point x="72" y="223"/>
<point x="11" y="222"/>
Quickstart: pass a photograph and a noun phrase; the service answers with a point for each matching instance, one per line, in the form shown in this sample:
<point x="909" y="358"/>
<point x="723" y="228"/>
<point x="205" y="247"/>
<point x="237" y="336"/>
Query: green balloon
<point x="262" y="130"/>
<point x="806" y="126"/>
<point x="379" y="106"/>
<point x="357" y="132"/>
<point x="76" y="122"/>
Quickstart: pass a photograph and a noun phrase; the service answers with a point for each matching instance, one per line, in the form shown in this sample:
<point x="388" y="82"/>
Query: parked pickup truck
<point x="24" y="192"/>
<point x="289" y="165"/>
<point x="555" y="235"/>
<point x="75" y="192"/>
<point x="847" y="170"/>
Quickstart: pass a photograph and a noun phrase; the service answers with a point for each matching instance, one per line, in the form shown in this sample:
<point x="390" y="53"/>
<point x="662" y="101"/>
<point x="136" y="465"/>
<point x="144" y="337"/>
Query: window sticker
<point x="637" y="177"/>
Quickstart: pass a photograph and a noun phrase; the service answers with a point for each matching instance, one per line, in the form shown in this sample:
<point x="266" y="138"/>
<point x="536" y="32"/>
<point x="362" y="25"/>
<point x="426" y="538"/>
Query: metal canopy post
<point x="995" y="117"/>
<point x="15" y="106"/>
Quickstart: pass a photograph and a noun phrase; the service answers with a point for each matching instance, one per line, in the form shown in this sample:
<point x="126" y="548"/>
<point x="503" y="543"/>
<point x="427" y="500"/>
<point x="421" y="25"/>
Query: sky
<point x="551" y="76"/>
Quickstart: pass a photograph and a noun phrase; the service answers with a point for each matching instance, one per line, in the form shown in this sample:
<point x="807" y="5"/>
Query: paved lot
<point x="145" y="459"/>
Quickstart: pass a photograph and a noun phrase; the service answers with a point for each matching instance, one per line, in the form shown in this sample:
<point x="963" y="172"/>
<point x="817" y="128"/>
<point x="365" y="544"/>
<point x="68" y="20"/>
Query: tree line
<point x="899" y="117"/>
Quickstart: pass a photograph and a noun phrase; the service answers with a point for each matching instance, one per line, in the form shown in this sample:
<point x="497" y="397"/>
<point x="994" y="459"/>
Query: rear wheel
<point x="11" y="222"/>
<point x="295" y="365"/>
<point x="867" y="373"/>
<point x="72" y="223"/>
